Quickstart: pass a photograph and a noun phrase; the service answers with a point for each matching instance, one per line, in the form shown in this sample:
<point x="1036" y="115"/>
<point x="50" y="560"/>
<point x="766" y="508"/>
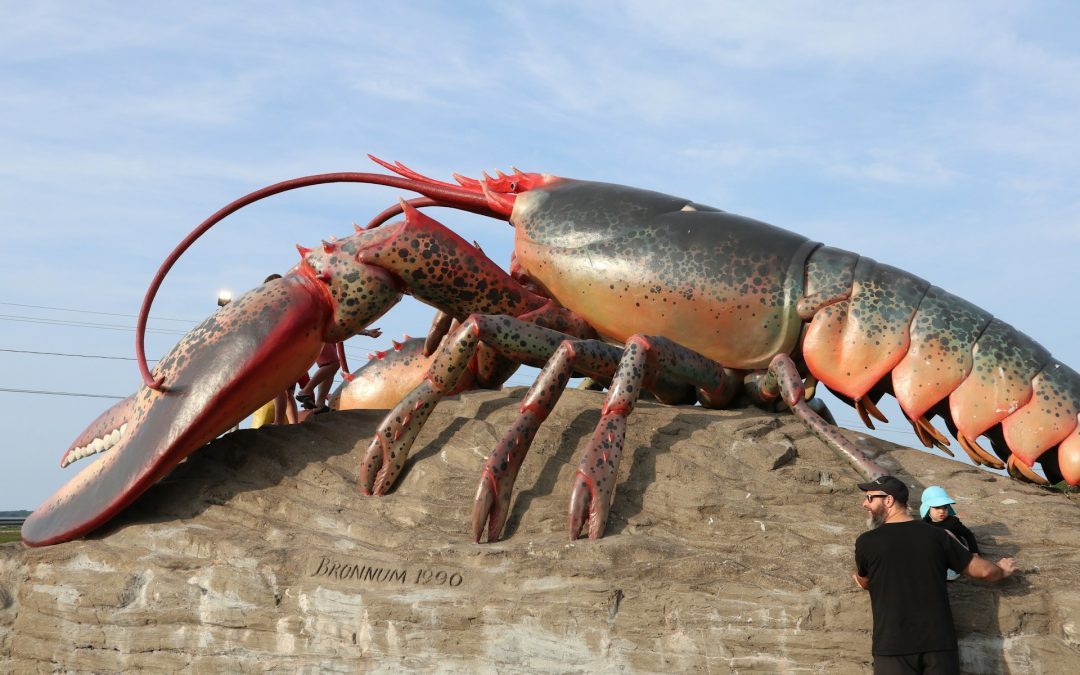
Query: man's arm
<point x="968" y="538"/>
<point x="860" y="563"/>
<point x="981" y="568"/>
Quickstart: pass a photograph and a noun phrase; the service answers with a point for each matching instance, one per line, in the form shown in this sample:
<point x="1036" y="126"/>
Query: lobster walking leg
<point x="783" y="378"/>
<point x="491" y="505"/>
<point x="513" y="338"/>
<point x="643" y="360"/>
<point x="649" y="362"/>
<point x="594" y="358"/>
<point x="386" y="455"/>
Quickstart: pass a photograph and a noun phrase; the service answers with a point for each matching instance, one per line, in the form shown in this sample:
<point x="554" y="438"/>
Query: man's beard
<point x="875" y="520"/>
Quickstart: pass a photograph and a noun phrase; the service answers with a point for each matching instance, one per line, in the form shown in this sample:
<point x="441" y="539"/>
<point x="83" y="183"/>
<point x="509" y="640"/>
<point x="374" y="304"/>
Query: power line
<point x="59" y="393"/>
<point x="515" y="380"/>
<point x="86" y="324"/>
<point x="845" y="424"/>
<point x="81" y="356"/>
<point x="96" y="356"/>
<point x="848" y="424"/>
<point x="88" y="311"/>
<point x="857" y="425"/>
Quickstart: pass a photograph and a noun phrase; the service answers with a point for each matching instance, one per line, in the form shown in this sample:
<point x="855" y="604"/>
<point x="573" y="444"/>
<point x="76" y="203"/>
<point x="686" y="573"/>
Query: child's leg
<point x="323" y="374"/>
<point x="325" y="378"/>
<point x="307" y="388"/>
<point x="291" y="414"/>
<point x="327" y="366"/>
<point x="305" y="395"/>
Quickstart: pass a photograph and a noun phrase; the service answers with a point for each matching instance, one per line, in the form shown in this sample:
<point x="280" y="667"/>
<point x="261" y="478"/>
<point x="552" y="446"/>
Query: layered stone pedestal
<point x="729" y="549"/>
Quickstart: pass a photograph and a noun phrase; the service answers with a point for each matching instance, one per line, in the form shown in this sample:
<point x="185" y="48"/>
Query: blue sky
<point x="938" y="137"/>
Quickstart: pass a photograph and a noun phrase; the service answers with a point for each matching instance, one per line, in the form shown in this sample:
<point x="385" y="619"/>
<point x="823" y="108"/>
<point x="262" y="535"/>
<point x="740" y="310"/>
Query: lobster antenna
<point x="442" y="194"/>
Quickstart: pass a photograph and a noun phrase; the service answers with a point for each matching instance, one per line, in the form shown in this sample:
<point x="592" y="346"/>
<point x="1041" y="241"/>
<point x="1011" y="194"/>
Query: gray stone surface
<point x="729" y="549"/>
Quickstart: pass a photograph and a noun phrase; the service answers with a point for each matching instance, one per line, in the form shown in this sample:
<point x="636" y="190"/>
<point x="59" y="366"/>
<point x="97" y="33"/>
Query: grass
<point x="9" y="534"/>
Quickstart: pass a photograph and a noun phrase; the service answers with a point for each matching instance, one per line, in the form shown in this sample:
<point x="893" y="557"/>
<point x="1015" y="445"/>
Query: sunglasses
<point x="871" y="498"/>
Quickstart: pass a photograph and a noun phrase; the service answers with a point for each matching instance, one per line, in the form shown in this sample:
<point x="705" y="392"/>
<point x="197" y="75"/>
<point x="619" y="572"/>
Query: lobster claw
<point x="218" y="374"/>
<point x="382" y="382"/>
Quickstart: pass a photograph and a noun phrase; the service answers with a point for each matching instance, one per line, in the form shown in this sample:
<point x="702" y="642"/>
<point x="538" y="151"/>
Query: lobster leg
<point x="492" y="502"/>
<point x="386" y="455"/>
<point x="594" y="358"/>
<point x="782" y="378"/>
<point x="643" y="360"/>
<point x="450" y="371"/>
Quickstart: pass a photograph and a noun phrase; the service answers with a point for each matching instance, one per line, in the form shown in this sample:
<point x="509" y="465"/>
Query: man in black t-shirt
<point x="902" y="562"/>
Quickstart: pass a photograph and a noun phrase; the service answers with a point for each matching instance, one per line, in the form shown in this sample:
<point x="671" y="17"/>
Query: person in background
<point x="313" y="394"/>
<point x="263" y="416"/>
<point x="901" y="561"/>
<point x="935" y="507"/>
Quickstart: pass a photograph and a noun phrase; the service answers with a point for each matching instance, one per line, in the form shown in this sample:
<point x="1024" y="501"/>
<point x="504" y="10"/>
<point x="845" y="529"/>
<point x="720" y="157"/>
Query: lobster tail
<point x="861" y="331"/>
<point x="946" y="357"/>
<point x="1005" y="362"/>
<point x="1068" y="457"/>
<point x="943" y="332"/>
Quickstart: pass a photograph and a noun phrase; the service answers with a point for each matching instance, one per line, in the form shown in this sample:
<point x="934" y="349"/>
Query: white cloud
<point x="897" y="165"/>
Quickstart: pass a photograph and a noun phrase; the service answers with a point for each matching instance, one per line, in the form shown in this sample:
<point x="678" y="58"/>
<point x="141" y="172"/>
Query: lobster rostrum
<point x="634" y="288"/>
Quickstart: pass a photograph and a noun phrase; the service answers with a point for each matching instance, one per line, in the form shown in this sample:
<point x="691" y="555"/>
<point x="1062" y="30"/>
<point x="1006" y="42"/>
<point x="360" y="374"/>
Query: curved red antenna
<point x="444" y="194"/>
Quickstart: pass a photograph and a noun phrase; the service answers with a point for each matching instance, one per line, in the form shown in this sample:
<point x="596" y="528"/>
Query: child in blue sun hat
<point x="936" y="509"/>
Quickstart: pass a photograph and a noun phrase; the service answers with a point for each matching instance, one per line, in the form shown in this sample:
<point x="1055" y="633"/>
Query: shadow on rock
<point x="227" y="466"/>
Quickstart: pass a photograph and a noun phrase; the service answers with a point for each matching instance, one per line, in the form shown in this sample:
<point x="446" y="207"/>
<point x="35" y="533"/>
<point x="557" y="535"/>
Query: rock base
<point x="729" y="549"/>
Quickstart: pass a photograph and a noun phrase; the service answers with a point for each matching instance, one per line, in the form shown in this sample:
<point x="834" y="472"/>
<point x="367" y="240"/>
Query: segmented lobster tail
<point x="875" y="329"/>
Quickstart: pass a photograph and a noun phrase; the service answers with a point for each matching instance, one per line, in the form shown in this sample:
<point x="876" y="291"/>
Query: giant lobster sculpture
<point x="638" y="289"/>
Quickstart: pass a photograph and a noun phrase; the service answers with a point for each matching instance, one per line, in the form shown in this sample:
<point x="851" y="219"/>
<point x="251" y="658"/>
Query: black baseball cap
<point x="889" y="485"/>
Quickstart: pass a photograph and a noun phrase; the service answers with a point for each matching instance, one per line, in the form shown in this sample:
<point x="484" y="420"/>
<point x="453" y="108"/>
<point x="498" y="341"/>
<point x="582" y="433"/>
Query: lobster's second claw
<point x="384" y="380"/>
<point x="217" y="374"/>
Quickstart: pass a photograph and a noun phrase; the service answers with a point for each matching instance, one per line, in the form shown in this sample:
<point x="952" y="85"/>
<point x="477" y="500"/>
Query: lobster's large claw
<point x="219" y="373"/>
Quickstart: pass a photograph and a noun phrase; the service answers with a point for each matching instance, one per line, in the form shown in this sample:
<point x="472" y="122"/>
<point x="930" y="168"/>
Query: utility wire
<point x="81" y="356"/>
<point x="87" y="311"/>
<point x="86" y="324"/>
<point x="95" y="356"/>
<point x="848" y="424"/>
<point x="59" y="393"/>
<point x="516" y="381"/>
